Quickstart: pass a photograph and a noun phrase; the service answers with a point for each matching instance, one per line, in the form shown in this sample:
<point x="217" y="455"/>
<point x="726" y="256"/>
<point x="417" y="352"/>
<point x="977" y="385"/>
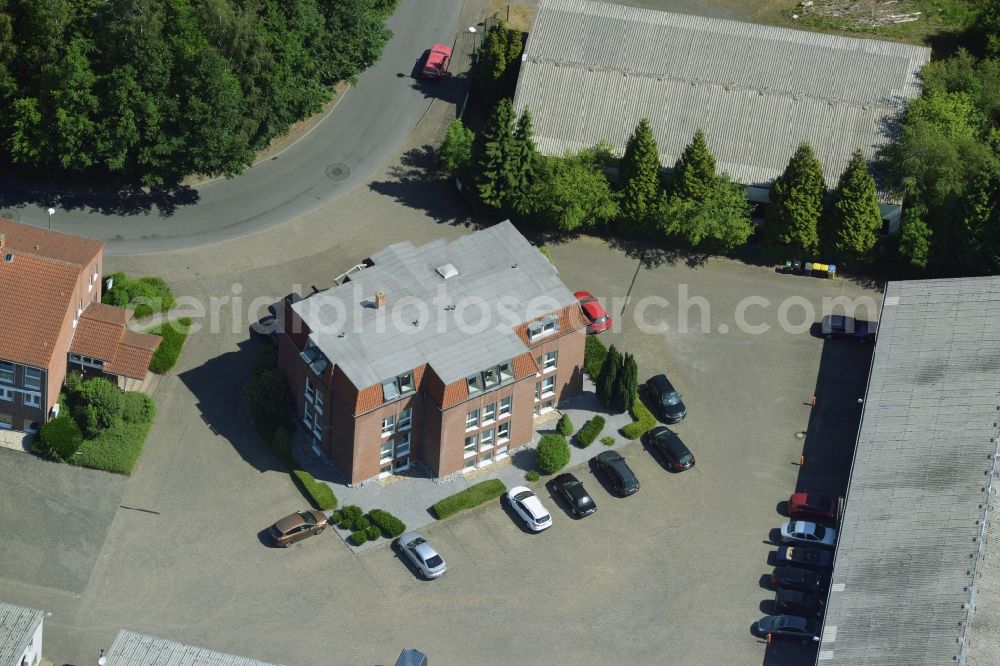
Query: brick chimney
<point x="379" y="300"/>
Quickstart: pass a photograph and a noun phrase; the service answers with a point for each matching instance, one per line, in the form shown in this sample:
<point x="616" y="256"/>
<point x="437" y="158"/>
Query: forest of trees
<point x="150" y="91"/>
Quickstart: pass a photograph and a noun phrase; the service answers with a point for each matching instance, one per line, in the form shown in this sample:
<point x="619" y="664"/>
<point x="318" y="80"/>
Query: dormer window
<point x="314" y="358"/>
<point x="398" y="386"/>
<point x="490" y="377"/>
<point x="543" y="327"/>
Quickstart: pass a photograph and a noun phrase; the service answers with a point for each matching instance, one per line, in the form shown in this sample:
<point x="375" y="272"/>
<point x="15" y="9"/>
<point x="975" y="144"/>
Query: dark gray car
<point x="576" y="496"/>
<point x="666" y="400"/>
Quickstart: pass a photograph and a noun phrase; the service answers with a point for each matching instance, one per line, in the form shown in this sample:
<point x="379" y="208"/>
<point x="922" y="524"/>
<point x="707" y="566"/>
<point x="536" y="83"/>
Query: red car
<point x="599" y="319"/>
<point x="812" y="507"/>
<point x="437" y="61"/>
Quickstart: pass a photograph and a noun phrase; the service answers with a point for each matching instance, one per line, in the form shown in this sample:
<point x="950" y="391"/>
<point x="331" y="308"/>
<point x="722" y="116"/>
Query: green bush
<point x="336" y="517"/>
<point x="608" y="441"/>
<point x="565" y="426"/>
<point x="115" y="449"/>
<point x="644" y="420"/>
<point x="62" y="437"/>
<point x="97" y="405"/>
<point x="315" y="491"/>
<point x="473" y="496"/>
<point x="532" y="476"/>
<point x="358" y="538"/>
<point x="590" y="430"/>
<point x="373" y="533"/>
<point x="146" y="294"/>
<point x="174" y="333"/>
<point x="594" y="353"/>
<point x="553" y="453"/>
<point x="351" y="511"/>
<point x="137" y="407"/>
<point x="390" y="525"/>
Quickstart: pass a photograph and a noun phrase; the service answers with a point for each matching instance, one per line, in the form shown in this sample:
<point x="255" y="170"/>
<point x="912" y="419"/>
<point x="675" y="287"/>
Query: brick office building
<point x="444" y="353"/>
<point x="52" y="321"/>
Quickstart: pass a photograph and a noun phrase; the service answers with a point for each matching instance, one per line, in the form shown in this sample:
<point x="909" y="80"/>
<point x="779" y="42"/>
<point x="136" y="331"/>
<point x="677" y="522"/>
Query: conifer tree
<point x="797" y="199"/>
<point x="640" y="175"/>
<point x="694" y="174"/>
<point x="855" y="217"/>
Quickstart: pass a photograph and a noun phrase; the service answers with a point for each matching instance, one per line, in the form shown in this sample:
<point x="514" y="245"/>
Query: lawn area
<point x="913" y="21"/>
<point x="174" y="333"/>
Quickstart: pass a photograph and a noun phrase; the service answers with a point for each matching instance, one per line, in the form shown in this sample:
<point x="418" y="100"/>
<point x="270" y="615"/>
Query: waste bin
<point x="831" y="271"/>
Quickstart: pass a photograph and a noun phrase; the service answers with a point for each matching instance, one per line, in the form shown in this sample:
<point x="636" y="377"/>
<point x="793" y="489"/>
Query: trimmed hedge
<point x="358" y="538"/>
<point x="473" y="496"/>
<point x="315" y="491"/>
<point x="590" y="430"/>
<point x="61" y="437"/>
<point x="387" y="523"/>
<point x="553" y="453"/>
<point x="594" y="353"/>
<point x="373" y="533"/>
<point x="644" y="420"/>
<point x="174" y="333"/>
<point x="565" y="426"/>
<point x="146" y="294"/>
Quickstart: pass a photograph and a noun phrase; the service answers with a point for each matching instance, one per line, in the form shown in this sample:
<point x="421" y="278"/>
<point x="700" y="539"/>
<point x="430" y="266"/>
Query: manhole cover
<point x="338" y="171"/>
<point x="10" y="215"/>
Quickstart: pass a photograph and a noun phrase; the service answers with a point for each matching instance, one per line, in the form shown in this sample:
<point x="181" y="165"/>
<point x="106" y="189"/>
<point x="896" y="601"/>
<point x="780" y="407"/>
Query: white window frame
<point x="503" y="433"/>
<point x="4" y="365"/>
<point x="548" y="386"/>
<point x="489" y="413"/>
<point x="549" y="361"/>
<point x="486" y="440"/>
<point x="31" y="399"/>
<point x="505" y="413"/>
<point x="405" y="420"/>
<point x="538" y="391"/>
<point x="471" y="444"/>
<point x="6" y="394"/>
<point x="7" y="426"/>
<point x="472" y="420"/>
<point x="388" y="425"/>
<point x="310" y="393"/>
<point x="383" y="457"/>
<point x="401" y="446"/>
<point x="27" y="384"/>
<point x="318" y="402"/>
<point x="543" y="327"/>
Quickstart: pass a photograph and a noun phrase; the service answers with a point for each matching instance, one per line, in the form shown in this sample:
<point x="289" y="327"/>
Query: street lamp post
<point x="51" y="212"/>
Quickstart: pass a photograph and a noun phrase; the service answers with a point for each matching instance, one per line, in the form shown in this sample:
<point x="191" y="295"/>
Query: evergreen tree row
<point x="154" y="90"/>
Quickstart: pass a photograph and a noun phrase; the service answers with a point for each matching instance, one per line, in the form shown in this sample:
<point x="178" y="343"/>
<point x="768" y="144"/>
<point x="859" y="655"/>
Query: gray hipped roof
<point x="134" y="649"/>
<point x="591" y="71"/>
<point x="17" y="627"/>
<point x="501" y="281"/>
<point x="914" y="579"/>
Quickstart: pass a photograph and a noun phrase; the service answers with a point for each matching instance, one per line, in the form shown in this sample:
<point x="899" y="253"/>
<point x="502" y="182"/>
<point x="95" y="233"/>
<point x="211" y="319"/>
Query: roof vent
<point x="379" y="300"/>
<point x="8" y="257"/>
<point x="447" y="271"/>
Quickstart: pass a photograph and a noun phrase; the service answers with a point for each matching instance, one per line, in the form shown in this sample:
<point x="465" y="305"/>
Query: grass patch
<point x="517" y="16"/>
<point x="643" y="421"/>
<point x="473" y="496"/>
<point x="872" y="18"/>
<point x="174" y="333"/>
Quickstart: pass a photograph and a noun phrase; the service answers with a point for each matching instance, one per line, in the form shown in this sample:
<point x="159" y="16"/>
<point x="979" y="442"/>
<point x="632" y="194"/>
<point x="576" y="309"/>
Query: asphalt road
<point x="365" y="128"/>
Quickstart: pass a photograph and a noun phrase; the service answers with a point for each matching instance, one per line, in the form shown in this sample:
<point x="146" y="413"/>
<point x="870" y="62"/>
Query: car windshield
<point x="685" y="458"/>
<point x="521" y="496"/>
<point x="671" y="398"/>
<point x="820" y="531"/>
<point x="601" y="320"/>
<point x="434" y="561"/>
<point x="308" y="517"/>
<point x="416" y="542"/>
<point x="544" y="518"/>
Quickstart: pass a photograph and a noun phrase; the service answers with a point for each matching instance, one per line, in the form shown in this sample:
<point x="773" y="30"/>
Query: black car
<point x="804" y="556"/>
<point x="667" y="401"/>
<point x="797" y="578"/>
<point x="797" y="602"/>
<point x="621" y="478"/>
<point x="679" y="457"/>
<point x="787" y="626"/>
<point x="842" y="327"/>
<point x="570" y="489"/>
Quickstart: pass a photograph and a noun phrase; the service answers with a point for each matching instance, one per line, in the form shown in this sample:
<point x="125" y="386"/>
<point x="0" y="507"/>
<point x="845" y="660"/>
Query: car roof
<point x="671" y="440"/>
<point x="534" y="506"/>
<point x="662" y="383"/>
<point x="609" y="456"/>
<point x="593" y="309"/>
<point x="290" y="522"/>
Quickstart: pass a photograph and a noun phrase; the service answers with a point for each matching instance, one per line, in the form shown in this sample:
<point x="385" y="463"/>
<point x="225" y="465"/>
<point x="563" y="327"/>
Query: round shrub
<point x="336" y="517"/>
<point x="565" y="426"/>
<point x="553" y="453"/>
<point x="358" y="538"/>
<point x="531" y="476"/>
<point x="360" y="523"/>
<point x="373" y="533"/>
<point x="62" y="437"/>
<point x="352" y="511"/>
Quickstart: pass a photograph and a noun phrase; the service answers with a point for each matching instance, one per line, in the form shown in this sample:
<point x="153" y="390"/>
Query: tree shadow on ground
<point x="652" y="255"/>
<point x="112" y="199"/>
<point x="414" y="184"/>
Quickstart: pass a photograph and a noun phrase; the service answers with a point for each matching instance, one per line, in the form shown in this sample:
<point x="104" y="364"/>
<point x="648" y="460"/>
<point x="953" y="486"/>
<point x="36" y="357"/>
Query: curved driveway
<point x="363" y="130"/>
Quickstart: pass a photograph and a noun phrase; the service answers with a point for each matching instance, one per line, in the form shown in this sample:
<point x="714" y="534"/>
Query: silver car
<point x="422" y="554"/>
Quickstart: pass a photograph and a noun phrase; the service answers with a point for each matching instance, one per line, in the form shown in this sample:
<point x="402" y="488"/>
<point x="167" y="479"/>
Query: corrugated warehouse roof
<point x="591" y="71"/>
<point x="134" y="649"/>
<point x="17" y="627"/>
<point x="914" y="579"/>
<point x="500" y="281"/>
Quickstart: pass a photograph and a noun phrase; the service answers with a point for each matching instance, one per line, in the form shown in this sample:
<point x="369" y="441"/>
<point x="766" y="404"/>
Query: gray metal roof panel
<point x="911" y="541"/>
<point x="131" y="648"/>
<point x="591" y="71"/>
<point x="502" y="281"/>
<point x="17" y="627"/>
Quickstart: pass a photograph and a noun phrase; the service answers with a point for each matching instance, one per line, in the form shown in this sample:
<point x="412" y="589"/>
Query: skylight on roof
<point x="447" y="271"/>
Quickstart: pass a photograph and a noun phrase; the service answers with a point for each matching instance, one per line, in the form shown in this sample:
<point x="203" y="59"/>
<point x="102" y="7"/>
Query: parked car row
<point x="801" y="577"/>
